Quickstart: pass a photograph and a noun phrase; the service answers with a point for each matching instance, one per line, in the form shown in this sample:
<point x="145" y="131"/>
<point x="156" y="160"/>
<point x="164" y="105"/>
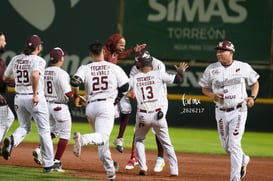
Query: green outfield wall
<point x="174" y="30"/>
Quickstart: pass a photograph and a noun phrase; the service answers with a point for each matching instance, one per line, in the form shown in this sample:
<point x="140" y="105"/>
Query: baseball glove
<point x="80" y="101"/>
<point x="131" y="95"/>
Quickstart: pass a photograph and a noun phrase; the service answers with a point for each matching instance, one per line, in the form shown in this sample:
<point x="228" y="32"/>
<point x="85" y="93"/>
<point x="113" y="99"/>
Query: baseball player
<point x="28" y="72"/>
<point x="57" y="93"/>
<point x="6" y="114"/>
<point x="105" y="84"/>
<point x="225" y="83"/>
<point x="149" y="89"/>
<point x="157" y="66"/>
<point x="114" y="50"/>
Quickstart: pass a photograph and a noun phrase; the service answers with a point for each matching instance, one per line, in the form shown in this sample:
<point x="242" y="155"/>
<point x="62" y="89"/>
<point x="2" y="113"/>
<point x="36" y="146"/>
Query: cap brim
<point x="217" y="48"/>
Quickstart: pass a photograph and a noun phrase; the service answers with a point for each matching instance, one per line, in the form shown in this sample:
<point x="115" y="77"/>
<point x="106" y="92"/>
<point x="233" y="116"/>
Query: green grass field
<point x="15" y="173"/>
<point x="184" y="140"/>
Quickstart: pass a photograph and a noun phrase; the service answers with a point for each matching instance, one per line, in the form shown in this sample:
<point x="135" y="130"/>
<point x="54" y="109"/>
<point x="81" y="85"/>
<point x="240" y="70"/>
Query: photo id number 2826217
<point x="192" y="110"/>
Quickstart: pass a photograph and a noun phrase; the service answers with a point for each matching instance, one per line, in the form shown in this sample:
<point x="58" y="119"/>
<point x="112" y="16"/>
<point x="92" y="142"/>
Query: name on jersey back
<point x="22" y="64"/>
<point x="144" y="81"/>
<point x="49" y="75"/>
<point x="100" y="70"/>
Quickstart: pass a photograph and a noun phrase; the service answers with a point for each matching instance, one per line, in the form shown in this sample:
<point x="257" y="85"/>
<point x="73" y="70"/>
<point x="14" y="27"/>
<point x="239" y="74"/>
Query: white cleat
<point x="77" y="145"/>
<point x="56" y="167"/>
<point x="58" y="162"/>
<point x="131" y="163"/>
<point x="37" y="156"/>
<point x="160" y="164"/>
<point x="243" y="168"/>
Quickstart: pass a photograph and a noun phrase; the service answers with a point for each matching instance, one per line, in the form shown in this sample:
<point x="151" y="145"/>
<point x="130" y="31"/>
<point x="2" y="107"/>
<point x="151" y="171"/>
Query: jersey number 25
<point x="100" y="83"/>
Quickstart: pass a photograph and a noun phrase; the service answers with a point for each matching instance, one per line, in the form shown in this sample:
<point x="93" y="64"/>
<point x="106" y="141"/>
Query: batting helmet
<point x="225" y="45"/>
<point x="143" y="58"/>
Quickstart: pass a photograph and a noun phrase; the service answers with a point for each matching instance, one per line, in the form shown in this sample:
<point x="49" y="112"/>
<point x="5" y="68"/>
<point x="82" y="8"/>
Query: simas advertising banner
<point x="190" y="29"/>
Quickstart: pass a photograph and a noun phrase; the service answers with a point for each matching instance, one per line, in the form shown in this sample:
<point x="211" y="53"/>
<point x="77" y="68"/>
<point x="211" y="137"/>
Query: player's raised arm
<point x="180" y="70"/>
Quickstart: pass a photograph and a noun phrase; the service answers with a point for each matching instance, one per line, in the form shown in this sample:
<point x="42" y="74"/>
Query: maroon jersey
<point x="110" y="53"/>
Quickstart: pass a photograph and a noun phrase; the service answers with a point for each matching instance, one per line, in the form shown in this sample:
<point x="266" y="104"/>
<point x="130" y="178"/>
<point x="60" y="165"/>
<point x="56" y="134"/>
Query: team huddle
<point x="42" y="94"/>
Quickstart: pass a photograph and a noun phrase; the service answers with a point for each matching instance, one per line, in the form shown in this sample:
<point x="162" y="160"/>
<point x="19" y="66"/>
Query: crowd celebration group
<point x="42" y="94"/>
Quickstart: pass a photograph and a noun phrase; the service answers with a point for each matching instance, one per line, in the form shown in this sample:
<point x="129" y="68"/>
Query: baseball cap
<point x="56" y="54"/>
<point x="225" y="45"/>
<point x="34" y="40"/>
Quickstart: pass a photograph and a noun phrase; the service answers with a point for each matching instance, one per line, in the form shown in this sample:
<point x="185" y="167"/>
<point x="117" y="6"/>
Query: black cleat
<point x="7" y="147"/>
<point x="56" y="167"/>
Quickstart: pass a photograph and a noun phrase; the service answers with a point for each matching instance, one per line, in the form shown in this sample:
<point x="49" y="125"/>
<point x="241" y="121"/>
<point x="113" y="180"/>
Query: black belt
<point x="24" y="93"/>
<point x="56" y="102"/>
<point x="96" y="100"/>
<point x="145" y="111"/>
<point x="230" y="109"/>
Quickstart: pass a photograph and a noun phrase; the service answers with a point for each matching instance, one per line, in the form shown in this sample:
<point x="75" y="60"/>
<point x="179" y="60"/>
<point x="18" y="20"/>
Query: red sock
<point x="160" y="150"/>
<point x="60" y="148"/>
<point x="124" y="119"/>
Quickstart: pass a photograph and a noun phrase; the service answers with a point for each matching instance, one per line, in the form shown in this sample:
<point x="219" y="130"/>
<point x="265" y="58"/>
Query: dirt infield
<point x="192" y="167"/>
